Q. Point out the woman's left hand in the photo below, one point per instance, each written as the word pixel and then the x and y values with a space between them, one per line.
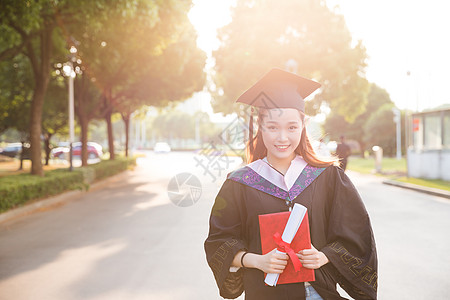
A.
pixel 312 258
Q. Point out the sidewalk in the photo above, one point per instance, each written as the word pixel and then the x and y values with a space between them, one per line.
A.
pixel 418 188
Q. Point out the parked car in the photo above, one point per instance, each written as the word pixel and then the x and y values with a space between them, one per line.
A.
pixel 161 147
pixel 14 149
pixel 94 150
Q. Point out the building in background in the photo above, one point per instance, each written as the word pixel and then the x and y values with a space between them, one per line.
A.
pixel 429 149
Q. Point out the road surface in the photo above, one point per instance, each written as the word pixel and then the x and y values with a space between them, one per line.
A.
pixel 129 241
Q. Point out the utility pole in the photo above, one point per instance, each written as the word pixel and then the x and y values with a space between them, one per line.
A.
pixel 398 121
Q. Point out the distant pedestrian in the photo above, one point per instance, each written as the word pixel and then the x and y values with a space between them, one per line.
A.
pixel 343 152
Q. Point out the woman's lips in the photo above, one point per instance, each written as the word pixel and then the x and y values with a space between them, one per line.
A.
pixel 281 147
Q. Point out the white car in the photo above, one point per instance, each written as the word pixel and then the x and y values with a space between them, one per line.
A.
pixel 161 147
pixel 94 150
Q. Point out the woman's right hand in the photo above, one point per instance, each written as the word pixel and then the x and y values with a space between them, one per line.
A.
pixel 272 262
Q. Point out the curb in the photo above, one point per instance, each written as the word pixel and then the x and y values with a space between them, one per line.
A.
pixel 418 188
pixel 60 199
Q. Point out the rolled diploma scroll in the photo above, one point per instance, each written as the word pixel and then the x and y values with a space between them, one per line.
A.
pixel 292 225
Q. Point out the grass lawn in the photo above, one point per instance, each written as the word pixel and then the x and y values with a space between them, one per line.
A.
pixel 437 184
pixel 395 170
pixel 367 165
pixel 11 167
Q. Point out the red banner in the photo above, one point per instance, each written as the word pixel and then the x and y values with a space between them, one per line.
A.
pixel 416 125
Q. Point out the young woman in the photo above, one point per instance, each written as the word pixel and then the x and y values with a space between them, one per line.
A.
pixel 283 169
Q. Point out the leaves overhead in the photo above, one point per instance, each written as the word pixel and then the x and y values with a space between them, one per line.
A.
pixel 129 50
pixel 266 34
pixel 121 46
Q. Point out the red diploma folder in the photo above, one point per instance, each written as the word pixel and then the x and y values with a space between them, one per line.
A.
pixel 270 224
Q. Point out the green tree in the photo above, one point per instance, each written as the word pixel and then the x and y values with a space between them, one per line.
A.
pixel 29 28
pixel 145 57
pixel 174 124
pixel 174 76
pixel 34 29
pixel 380 129
pixel 267 34
pixel 177 124
pixel 15 98
pixel 88 103
pixel 209 132
pixel 15 94
pixel 55 113
pixel 336 125
pixel 122 42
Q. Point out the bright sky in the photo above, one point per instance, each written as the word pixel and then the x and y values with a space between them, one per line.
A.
pixel 399 35
pixel 207 16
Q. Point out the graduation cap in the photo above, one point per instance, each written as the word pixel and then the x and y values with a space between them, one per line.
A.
pixel 277 89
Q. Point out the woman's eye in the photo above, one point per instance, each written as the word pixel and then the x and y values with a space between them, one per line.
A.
pixel 271 127
pixel 293 128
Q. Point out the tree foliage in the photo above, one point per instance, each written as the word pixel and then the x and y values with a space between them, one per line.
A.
pixel 147 56
pixel 29 28
pixel 55 113
pixel 122 45
pixel 181 125
pixel 375 126
pixel 267 34
pixel 16 91
pixel 380 129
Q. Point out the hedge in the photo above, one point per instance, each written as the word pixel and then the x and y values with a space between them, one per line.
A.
pixel 16 190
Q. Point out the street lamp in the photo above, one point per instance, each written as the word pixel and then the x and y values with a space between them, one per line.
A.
pixel 407 133
pixel 70 72
pixel 397 120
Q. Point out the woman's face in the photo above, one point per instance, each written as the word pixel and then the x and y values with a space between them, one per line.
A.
pixel 281 132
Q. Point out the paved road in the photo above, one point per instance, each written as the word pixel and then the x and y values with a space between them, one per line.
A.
pixel 129 241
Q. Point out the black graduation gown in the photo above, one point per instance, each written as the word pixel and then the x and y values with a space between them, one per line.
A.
pixel 339 225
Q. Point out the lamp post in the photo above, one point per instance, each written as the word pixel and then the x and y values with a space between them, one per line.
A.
pixel 407 133
pixel 70 72
pixel 398 120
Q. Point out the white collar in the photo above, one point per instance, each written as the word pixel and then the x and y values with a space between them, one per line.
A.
pixel 262 167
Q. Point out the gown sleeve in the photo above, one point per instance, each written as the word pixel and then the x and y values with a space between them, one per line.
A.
pixel 351 245
pixel 225 239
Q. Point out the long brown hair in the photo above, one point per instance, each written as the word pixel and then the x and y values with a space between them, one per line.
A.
pixel 303 149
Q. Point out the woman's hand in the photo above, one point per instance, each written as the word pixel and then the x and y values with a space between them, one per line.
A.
pixel 312 258
pixel 272 262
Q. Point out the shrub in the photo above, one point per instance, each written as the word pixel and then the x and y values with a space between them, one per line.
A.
pixel 109 168
pixel 16 190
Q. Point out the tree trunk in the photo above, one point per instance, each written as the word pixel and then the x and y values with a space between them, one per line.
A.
pixel 21 155
pixel 108 114
pixel 41 71
pixel 35 127
pixel 83 114
pixel 84 124
pixel 47 147
pixel 110 134
pixel 126 120
pixel 362 146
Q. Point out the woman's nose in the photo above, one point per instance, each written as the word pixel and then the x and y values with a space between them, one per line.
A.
pixel 282 136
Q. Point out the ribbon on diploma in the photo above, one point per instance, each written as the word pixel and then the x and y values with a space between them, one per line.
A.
pixel 286 248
